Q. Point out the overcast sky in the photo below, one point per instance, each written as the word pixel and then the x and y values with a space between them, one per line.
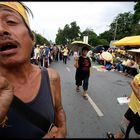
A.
pixel 50 16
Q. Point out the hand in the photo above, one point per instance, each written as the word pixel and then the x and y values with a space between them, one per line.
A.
pixel 6 96
pixel 55 133
pixel 76 58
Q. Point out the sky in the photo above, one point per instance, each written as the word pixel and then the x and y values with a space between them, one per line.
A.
pixel 50 16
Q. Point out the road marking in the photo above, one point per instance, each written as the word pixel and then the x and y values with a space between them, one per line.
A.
pixel 96 108
pixel 68 69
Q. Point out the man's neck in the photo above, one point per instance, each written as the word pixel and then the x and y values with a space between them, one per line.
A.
pixel 20 73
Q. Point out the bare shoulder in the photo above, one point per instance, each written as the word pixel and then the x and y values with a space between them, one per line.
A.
pixel 53 74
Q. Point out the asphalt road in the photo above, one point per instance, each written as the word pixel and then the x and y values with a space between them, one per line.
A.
pixel 92 118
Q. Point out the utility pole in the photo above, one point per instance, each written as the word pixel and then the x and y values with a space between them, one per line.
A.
pixel 115 30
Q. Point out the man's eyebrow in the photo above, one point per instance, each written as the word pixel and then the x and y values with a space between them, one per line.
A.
pixel 7 10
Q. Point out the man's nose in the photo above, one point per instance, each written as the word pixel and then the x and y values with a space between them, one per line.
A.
pixel 3 29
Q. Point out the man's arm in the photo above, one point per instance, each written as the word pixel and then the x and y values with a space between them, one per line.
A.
pixel 60 130
pixel 135 89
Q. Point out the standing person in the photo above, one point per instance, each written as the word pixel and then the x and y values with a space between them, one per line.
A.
pixel 132 115
pixel 38 88
pixel 36 55
pixel 65 54
pixel 60 53
pixel 55 49
pixel 41 55
pixel 46 56
pixel 83 71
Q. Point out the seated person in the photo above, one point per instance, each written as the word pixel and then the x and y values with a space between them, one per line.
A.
pixel 134 68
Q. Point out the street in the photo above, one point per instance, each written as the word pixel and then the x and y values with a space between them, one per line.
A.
pixel 92 118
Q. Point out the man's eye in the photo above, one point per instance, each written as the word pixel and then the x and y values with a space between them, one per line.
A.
pixel 11 22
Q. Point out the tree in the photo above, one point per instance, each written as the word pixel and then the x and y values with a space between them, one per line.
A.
pixel 93 39
pixel 106 35
pixel 103 42
pixel 40 39
pixel 74 31
pixel 60 37
pixel 68 34
pixel 123 24
pixel 136 19
pixel 136 15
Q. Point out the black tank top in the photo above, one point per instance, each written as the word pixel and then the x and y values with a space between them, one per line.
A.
pixel 18 127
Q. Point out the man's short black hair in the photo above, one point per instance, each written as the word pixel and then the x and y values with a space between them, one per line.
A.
pixel 85 48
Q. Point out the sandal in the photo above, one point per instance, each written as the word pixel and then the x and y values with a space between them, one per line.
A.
pixel 77 89
pixel 85 97
pixel 110 135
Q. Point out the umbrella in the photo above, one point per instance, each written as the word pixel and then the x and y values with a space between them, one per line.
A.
pixel 100 48
pixel 106 56
pixel 128 41
pixel 78 45
pixel 134 51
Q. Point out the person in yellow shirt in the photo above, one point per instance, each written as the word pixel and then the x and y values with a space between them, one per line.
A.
pixel 65 55
pixel 132 116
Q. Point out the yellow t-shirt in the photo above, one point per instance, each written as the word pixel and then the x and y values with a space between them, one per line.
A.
pixel 134 103
pixel 124 62
pixel 65 53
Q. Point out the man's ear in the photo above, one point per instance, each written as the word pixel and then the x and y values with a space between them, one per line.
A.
pixel 33 38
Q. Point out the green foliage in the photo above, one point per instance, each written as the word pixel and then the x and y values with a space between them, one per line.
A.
pixel 103 42
pixel 136 19
pixel 107 35
pixel 60 38
pixel 68 34
pixel 40 39
pixel 136 16
pixel 92 37
pixel 123 24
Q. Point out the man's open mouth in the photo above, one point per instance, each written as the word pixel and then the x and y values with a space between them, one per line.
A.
pixel 6 47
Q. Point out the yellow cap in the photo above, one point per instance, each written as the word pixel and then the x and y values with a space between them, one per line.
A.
pixel 19 8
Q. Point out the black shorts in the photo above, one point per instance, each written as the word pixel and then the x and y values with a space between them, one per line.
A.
pixel 134 118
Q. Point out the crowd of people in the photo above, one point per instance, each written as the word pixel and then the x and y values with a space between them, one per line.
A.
pixel 122 61
pixel 43 55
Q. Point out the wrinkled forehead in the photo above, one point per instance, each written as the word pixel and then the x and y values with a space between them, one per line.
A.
pixel 8 10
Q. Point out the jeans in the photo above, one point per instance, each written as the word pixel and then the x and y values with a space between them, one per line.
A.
pixel 119 67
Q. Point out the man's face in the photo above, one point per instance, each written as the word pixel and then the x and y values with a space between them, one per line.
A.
pixel 84 53
pixel 15 41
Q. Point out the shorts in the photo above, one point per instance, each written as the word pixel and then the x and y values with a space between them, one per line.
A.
pixel 134 118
